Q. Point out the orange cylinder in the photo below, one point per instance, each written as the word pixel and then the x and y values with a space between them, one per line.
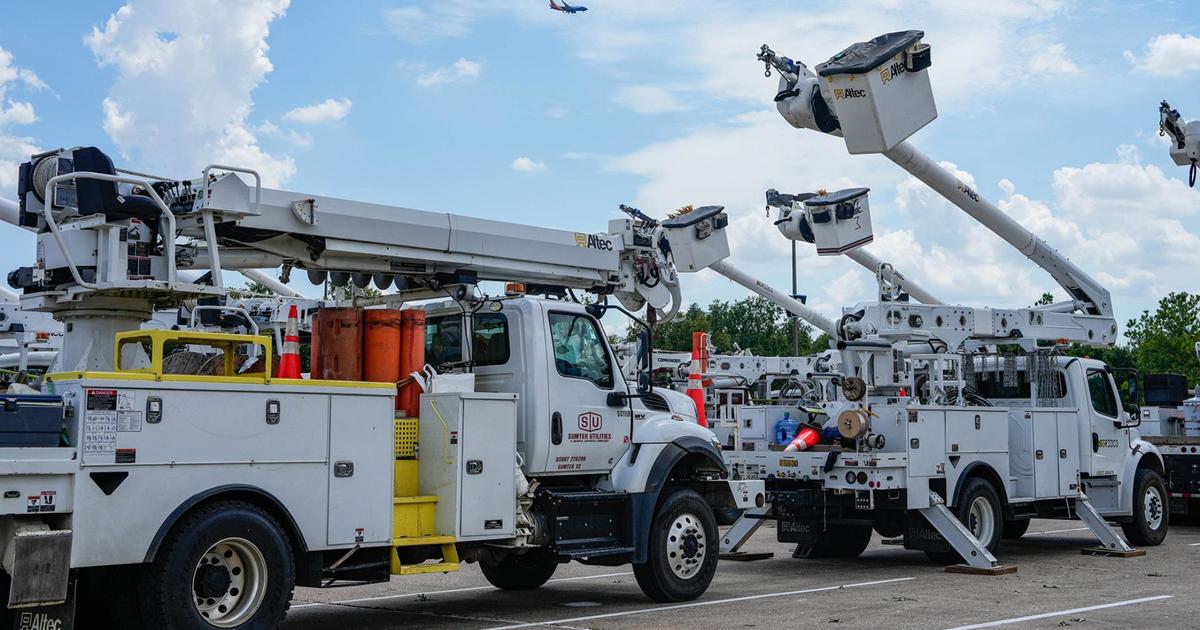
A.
pixel 340 344
pixel 412 359
pixel 314 345
pixel 381 345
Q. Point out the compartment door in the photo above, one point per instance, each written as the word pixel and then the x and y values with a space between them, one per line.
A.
pixel 488 464
pixel 1068 453
pixel 360 502
pixel 1045 454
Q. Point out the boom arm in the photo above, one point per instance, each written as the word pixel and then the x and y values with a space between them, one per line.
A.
pixel 804 108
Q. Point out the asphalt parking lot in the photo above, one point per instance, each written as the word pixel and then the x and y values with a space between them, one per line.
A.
pixel 887 587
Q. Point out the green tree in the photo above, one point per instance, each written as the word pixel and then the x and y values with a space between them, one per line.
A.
pixel 752 323
pixel 1165 340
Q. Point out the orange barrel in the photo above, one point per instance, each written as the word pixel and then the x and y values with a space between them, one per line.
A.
pixel 381 345
pixel 340 344
pixel 314 345
pixel 412 359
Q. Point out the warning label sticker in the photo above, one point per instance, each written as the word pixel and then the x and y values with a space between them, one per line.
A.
pixel 99 431
pixel 129 421
pixel 43 502
pixel 101 399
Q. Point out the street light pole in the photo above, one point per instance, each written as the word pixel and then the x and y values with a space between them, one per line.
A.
pixel 795 324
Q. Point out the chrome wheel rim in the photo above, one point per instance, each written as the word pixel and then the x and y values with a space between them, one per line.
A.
pixel 1152 504
pixel 229 582
pixel 981 520
pixel 686 546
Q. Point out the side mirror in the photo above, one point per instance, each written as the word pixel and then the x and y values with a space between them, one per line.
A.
pixel 644 385
pixel 595 310
pixel 617 399
pixel 1131 389
pixel 1135 417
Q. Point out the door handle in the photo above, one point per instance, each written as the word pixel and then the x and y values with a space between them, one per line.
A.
pixel 556 428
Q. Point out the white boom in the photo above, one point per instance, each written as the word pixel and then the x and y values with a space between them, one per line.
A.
pixel 789 304
pixel 861 256
pixel 875 95
pixel 804 101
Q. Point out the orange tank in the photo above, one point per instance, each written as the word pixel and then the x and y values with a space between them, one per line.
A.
pixel 412 359
pixel 339 342
pixel 381 345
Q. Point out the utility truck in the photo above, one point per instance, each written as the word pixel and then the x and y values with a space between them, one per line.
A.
pixel 184 500
pixel 957 424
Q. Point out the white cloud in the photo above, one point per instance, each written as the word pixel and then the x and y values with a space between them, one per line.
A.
pixel 526 164
pixel 453 73
pixel 415 24
pixel 649 99
pixel 175 125
pixel 291 136
pixel 14 149
pixel 1052 60
pixel 328 110
pixel 1168 55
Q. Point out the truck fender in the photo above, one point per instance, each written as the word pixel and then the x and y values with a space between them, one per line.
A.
pixel 244 492
pixel 1141 450
pixel 981 469
pixel 643 473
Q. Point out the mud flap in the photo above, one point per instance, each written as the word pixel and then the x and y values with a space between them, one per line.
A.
pixel 46 617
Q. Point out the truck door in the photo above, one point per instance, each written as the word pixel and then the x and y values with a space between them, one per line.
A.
pixel 1106 441
pixel 586 435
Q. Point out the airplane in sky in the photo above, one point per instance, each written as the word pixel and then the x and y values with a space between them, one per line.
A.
pixel 566 8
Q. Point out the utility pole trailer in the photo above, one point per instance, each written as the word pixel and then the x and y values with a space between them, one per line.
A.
pixel 144 493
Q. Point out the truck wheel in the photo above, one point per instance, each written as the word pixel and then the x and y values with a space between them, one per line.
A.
pixel 979 510
pixel 1151 512
pixel 228 564
pixel 844 541
pixel 521 572
pixel 1016 528
pixel 682 557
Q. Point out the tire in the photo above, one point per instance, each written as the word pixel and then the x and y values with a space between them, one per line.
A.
pixel 1151 510
pixel 522 572
pixel 843 541
pixel 194 581
pixel 979 509
pixel 1015 529
pixel 683 548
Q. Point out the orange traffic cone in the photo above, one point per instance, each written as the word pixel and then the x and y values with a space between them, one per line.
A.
pixel 289 357
pixel 806 437
pixel 695 389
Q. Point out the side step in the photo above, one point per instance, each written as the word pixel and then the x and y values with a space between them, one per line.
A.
pixel 449 560
pixel 588 523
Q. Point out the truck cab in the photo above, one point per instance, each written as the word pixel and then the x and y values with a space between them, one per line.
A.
pixel 605 462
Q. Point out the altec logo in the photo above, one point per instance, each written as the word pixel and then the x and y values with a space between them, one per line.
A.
pixel 39 621
pixel 887 73
pixel 849 93
pixel 590 421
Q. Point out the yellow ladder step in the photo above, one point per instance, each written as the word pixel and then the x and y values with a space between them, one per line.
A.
pixel 449 557
pixel 413 541
pixel 416 499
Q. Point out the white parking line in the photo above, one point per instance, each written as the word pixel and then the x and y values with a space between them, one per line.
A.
pixel 1057 531
pixel 1194 544
pixel 465 589
pixel 640 611
pixel 1004 622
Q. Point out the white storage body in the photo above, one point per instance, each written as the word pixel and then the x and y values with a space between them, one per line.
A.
pixel 880 96
pixel 840 221
pixel 468 445
pixel 169 441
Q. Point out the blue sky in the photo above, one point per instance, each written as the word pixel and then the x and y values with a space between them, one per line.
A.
pixel 509 110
